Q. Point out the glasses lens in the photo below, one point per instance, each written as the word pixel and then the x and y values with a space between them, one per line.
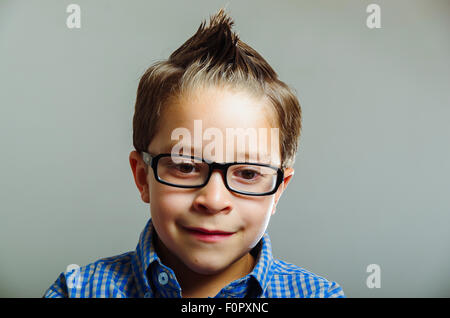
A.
pixel 252 178
pixel 180 170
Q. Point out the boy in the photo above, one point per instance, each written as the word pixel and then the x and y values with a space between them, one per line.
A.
pixel 209 211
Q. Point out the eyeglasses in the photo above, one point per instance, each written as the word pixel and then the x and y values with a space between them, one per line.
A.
pixel 183 171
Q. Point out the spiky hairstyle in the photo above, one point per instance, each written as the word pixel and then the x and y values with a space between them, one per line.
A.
pixel 215 56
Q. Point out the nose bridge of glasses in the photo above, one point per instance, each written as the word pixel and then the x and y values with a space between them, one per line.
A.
pixel 221 168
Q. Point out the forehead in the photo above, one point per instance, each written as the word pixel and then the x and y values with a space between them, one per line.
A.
pixel 221 108
pixel 209 112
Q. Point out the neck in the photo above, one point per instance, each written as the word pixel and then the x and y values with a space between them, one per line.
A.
pixel 194 284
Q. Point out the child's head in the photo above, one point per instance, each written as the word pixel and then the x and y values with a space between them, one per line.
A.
pixel 217 79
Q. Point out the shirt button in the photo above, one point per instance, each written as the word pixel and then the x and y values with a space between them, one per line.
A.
pixel 163 278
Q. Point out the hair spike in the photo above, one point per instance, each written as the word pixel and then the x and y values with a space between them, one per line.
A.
pixel 215 42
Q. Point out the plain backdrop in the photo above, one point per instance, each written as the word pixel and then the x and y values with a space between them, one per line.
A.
pixel 373 168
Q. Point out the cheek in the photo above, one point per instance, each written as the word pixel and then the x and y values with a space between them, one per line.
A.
pixel 255 214
pixel 166 203
pixel 257 209
pixel 167 206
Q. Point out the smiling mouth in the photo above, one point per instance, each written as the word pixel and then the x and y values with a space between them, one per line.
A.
pixel 207 232
pixel 208 236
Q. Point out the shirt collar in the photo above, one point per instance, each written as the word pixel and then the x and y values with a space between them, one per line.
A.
pixel 262 272
pixel 146 256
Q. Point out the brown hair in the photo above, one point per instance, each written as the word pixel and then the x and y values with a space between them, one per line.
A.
pixel 215 56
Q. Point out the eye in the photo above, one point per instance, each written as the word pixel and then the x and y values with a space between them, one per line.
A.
pixel 247 174
pixel 184 167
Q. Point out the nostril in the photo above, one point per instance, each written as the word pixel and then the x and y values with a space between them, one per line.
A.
pixel 201 205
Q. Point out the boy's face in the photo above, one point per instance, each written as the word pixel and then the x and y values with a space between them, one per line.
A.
pixel 212 207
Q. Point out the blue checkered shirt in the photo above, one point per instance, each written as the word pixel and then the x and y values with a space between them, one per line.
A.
pixel 140 273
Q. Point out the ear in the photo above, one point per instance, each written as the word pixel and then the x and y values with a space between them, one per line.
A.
pixel 140 171
pixel 288 174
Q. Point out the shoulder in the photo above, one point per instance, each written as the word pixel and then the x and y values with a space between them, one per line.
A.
pixel 106 277
pixel 292 281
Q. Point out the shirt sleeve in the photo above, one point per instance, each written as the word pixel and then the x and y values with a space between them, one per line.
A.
pixel 58 289
pixel 334 291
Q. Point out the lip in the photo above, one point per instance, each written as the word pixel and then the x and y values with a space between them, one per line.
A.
pixel 207 235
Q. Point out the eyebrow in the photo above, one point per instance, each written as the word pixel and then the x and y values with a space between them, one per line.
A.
pixel 259 157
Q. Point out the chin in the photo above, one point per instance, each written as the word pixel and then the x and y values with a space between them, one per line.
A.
pixel 206 267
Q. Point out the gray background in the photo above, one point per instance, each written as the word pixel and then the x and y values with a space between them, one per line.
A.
pixel 372 173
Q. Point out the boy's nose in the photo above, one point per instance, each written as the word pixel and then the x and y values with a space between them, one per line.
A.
pixel 214 197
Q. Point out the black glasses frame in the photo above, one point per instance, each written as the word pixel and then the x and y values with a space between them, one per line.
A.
pixel 152 161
